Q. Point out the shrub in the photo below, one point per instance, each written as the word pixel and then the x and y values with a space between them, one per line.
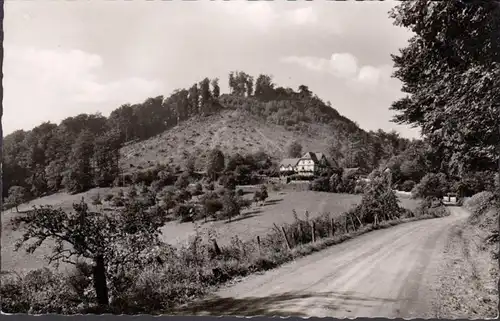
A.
pixel 240 192
pixel 96 200
pixel 197 190
pixel 480 203
pixel 108 197
pixel 407 186
pixel 432 186
pixel 183 196
pixel 184 212
pixel 40 291
pixel 228 181
pixel 474 183
pixel 320 184
pixel 182 181
pixel 230 205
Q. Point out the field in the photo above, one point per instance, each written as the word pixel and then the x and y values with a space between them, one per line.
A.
pixel 257 220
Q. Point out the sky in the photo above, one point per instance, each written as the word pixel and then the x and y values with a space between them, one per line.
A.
pixel 63 58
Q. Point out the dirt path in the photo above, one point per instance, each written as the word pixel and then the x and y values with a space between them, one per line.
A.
pixel 386 273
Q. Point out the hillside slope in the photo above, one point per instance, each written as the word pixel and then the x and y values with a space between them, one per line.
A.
pixel 233 131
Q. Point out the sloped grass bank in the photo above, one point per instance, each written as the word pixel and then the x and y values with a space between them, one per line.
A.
pixel 469 289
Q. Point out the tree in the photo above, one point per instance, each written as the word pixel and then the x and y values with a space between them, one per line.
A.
pixel 294 150
pixel 304 91
pixel 53 174
pixel 230 205
pixel 182 181
pixel 433 186
pixel 194 99
pixel 215 88
pixel 264 88
pixel 169 201
pixel 211 205
pixel 261 194
pixel 79 175
pixel 105 159
pixel 215 163
pixel 17 196
pixel 450 71
pixel 205 94
pixel 190 166
pixel 249 85
pixel 112 242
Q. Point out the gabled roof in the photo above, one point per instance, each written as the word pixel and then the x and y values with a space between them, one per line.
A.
pixel 289 162
pixel 313 155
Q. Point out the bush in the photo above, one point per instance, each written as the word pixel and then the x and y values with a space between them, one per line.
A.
pixel 474 183
pixel 431 207
pixel 407 186
pixel 184 212
pixel 479 203
pixel 42 291
pixel 197 190
pixel 228 181
pixel 432 185
pixel 320 184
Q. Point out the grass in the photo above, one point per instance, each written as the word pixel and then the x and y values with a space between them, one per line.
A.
pixel 258 220
pixel 192 271
pixel 230 130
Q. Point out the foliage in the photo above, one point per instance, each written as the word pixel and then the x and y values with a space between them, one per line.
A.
pixel 473 183
pixel 17 196
pixel 433 186
pixel 294 150
pixel 230 205
pixel 215 163
pixel 407 186
pixel 111 242
pixel 182 181
pixel 451 79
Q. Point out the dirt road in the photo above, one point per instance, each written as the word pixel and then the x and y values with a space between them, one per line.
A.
pixel 385 273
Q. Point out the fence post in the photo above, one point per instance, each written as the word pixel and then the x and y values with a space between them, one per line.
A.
pixel 286 238
pixel 345 224
pixel 301 234
pixel 333 226
pixel 258 243
pixel 216 247
pixel 313 232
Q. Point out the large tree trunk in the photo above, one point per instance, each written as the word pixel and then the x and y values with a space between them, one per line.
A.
pixel 100 283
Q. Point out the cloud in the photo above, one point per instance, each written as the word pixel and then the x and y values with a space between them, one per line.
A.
pixel 301 16
pixel 265 15
pixel 53 84
pixel 344 66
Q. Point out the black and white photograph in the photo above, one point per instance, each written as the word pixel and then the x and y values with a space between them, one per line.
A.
pixel 335 159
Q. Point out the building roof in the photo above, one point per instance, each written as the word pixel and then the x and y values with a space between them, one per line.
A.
pixel 313 155
pixel 289 162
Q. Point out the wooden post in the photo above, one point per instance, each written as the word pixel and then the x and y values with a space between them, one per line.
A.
pixel 286 238
pixel 216 247
pixel 258 243
pixel 345 224
pixel 333 226
pixel 313 231
pixel 352 223
pixel 301 233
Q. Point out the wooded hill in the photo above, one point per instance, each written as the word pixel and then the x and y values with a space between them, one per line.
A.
pixel 91 150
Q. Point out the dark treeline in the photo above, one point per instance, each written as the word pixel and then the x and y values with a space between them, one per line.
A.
pixel 83 151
